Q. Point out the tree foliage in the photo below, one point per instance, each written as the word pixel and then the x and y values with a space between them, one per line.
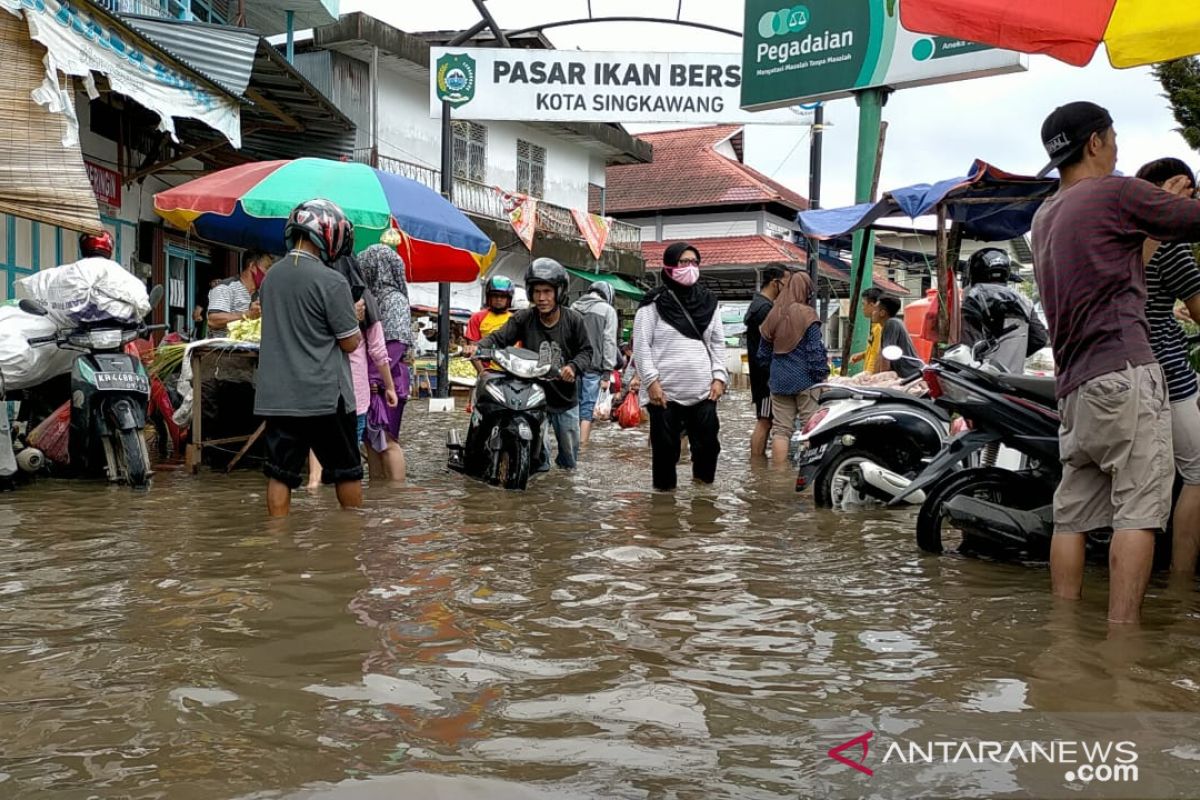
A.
pixel 1181 80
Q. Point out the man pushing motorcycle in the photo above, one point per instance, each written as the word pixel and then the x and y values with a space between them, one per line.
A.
pixel 559 334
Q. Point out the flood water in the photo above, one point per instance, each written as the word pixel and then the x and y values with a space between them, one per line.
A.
pixel 587 638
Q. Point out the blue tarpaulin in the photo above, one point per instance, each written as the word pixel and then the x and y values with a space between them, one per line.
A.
pixel 1016 198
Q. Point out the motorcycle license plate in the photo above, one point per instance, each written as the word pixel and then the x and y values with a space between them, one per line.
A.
pixel 811 456
pixel 122 382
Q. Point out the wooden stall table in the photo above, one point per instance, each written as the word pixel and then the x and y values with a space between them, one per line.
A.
pixel 206 353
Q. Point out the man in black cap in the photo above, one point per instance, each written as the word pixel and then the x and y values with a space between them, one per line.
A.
pixel 1115 438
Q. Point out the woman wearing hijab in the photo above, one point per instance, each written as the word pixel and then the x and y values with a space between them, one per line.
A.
pixel 679 349
pixel 793 350
pixel 384 273
pixel 371 349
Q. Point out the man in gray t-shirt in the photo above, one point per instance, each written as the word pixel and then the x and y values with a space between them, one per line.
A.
pixel 304 387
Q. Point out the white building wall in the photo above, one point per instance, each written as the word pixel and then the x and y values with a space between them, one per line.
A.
pixel 407 132
pixel 714 225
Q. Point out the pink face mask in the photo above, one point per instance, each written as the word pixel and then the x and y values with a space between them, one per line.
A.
pixel 684 276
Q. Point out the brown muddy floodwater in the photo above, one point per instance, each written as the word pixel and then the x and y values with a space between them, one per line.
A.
pixel 586 638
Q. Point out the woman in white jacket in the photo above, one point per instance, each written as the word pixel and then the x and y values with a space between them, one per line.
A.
pixel 679 350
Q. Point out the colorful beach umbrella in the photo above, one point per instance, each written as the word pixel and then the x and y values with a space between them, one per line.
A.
pixel 1136 32
pixel 248 206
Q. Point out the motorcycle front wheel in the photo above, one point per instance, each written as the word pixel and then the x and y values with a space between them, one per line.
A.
pixel 128 459
pixel 993 484
pixel 512 468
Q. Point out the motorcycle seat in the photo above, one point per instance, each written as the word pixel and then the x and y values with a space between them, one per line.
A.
pixel 921 402
pixel 1033 387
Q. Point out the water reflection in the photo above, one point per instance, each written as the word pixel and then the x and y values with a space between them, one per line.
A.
pixel 586 638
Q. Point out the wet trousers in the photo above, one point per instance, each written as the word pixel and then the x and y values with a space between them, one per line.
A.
pixel 703 429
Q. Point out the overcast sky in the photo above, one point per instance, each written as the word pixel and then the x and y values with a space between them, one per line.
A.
pixel 934 132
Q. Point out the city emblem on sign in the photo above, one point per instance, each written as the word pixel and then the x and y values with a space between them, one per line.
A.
pixel 456 79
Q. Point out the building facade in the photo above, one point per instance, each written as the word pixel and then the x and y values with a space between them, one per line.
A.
pixel 379 76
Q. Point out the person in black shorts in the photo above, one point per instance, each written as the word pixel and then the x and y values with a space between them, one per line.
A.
pixel 304 389
pixel 774 278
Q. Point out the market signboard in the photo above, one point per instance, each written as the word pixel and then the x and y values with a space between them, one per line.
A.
pixel 825 49
pixel 576 86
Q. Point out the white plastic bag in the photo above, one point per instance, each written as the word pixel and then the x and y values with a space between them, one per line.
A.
pixel 21 365
pixel 88 290
pixel 603 405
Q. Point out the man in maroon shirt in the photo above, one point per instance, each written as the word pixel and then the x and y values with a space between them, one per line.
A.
pixel 1115 439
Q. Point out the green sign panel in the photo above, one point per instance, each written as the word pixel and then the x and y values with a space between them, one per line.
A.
pixel 822 49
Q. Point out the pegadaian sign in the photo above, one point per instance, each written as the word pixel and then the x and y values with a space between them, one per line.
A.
pixel 577 86
pixel 825 49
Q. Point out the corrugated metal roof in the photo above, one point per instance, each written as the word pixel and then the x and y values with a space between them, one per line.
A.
pixel 221 53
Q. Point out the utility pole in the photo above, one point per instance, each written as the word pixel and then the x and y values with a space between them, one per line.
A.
pixel 486 20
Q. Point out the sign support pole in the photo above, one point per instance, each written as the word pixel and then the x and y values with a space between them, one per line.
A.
pixel 870 121
pixel 814 187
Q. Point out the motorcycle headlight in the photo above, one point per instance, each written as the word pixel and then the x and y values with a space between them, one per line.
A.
pixel 107 339
pixel 537 396
pixel 521 367
pixel 495 391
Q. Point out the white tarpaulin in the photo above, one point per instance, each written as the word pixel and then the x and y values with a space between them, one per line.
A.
pixel 79 43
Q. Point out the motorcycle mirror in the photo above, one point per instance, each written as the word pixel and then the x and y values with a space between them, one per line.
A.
pixel 33 307
pixel 156 296
pixel 893 353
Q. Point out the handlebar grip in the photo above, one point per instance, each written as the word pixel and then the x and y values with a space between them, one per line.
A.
pixel 157 328
pixel 42 339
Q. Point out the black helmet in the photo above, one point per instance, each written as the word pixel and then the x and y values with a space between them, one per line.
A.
pixel 324 224
pixel 548 271
pixel 604 289
pixel 989 265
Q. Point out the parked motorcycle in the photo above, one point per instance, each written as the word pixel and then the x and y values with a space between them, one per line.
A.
pixel 505 438
pixel 866 444
pixel 109 393
pixel 998 511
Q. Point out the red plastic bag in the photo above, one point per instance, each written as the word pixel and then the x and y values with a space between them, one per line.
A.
pixel 52 435
pixel 630 415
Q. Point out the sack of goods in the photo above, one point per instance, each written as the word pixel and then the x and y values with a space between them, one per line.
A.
pixel 88 290
pixel 21 365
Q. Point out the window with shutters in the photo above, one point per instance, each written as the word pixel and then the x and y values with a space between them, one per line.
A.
pixel 531 169
pixel 470 151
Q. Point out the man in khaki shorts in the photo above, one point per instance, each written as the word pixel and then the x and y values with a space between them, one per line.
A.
pixel 1115 440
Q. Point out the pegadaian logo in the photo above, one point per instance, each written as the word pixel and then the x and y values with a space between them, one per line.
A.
pixel 784 21
pixel 456 79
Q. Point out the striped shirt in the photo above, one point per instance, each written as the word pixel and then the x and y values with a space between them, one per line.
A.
pixel 1087 243
pixel 683 366
pixel 228 297
pixel 1172 275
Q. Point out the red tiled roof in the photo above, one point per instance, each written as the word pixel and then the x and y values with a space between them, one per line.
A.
pixel 688 172
pixel 749 251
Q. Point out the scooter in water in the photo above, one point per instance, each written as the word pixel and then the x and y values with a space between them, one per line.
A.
pixel 865 444
pixel 998 511
pixel 504 443
pixel 109 394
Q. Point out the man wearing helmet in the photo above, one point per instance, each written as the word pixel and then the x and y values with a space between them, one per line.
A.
pixel 552 329
pixel 305 390
pixel 498 295
pixel 600 318
pixel 993 311
pixel 96 245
